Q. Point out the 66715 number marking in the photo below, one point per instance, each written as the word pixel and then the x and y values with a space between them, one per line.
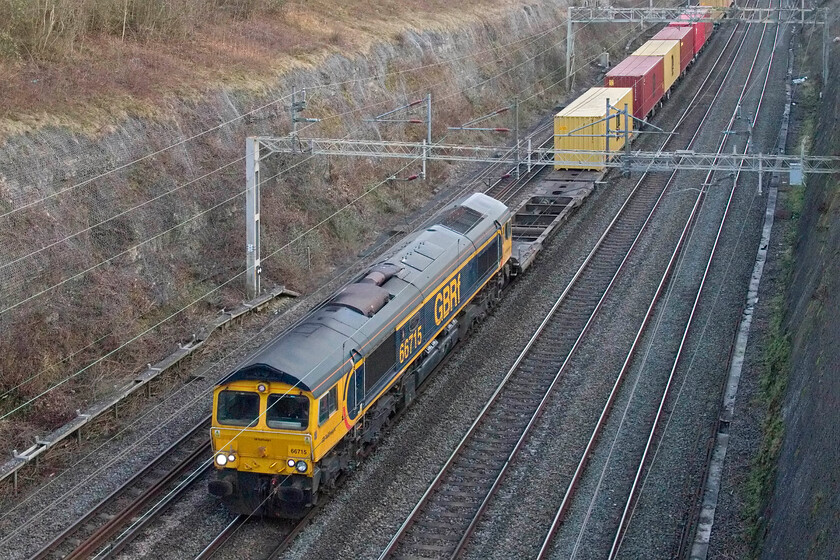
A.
pixel 411 343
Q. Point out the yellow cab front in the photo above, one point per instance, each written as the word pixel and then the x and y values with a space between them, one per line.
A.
pixel 262 448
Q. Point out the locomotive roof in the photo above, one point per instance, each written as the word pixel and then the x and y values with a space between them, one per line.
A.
pixel 316 351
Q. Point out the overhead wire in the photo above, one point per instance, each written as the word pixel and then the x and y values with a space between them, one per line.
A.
pixel 406 166
pixel 646 356
pixel 121 214
pixel 282 248
pixel 261 108
pixel 715 301
pixel 147 435
pixel 184 222
pixel 48 289
pixel 528 38
pixel 275 252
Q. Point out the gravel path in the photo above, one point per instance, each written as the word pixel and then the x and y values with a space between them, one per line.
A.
pixel 729 538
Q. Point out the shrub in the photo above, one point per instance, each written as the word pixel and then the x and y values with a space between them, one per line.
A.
pixel 53 28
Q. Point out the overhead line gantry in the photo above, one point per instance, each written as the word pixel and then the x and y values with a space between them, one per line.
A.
pixel 616 14
pixel 258 148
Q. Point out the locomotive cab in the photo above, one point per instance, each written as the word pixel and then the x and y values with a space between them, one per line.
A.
pixel 262 446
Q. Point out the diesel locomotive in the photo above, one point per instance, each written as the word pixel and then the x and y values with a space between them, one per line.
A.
pixel 307 406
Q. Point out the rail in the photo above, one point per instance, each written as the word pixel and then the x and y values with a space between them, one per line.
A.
pixel 44 443
pixel 84 537
pixel 574 482
pixel 441 544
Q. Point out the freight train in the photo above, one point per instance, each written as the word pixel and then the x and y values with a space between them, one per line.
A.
pixel 309 405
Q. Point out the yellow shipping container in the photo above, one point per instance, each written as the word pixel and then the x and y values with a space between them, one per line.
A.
pixel 716 14
pixel 572 133
pixel 670 51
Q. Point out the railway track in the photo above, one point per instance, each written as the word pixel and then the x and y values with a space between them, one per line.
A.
pixel 651 435
pixel 290 532
pixel 444 519
pixel 223 537
pixel 116 520
pixel 133 516
pixel 110 525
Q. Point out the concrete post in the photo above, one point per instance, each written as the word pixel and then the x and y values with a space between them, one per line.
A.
pixel 425 157
pixel 427 143
pixel 252 218
pixel 760 174
pixel 529 154
pixel 429 119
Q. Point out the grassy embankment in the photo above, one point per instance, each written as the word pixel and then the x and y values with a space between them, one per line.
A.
pixel 776 366
pixel 82 63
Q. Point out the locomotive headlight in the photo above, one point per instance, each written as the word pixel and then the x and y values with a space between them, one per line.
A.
pixel 301 466
pixel 291 463
pixel 221 459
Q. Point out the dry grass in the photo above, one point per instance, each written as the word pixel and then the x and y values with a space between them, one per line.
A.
pixel 93 76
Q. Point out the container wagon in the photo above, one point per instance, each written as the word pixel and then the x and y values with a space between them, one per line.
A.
pixel 716 13
pixel 702 29
pixel 685 35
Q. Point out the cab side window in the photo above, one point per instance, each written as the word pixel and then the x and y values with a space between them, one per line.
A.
pixel 327 405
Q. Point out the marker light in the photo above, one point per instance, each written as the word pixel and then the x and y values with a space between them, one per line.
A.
pixel 291 463
pixel 231 458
